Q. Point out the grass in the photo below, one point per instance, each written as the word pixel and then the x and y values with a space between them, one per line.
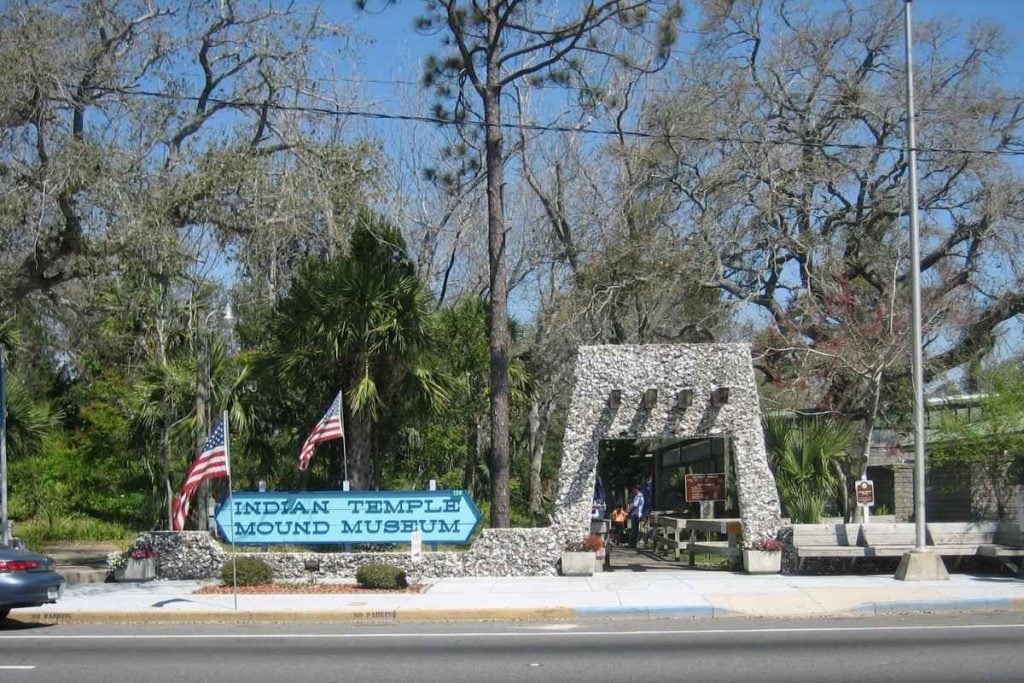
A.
pixel 38 532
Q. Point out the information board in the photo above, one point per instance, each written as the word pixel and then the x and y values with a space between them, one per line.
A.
pixel 705 487
pixel 865 492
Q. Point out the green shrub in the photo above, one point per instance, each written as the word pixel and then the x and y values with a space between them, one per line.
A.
pixel 251 571
pixel 381 576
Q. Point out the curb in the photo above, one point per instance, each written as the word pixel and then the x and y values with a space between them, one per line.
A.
pixel 419 615
pixel 391 616
pixel 952 605
pixel 652 612
pixel 367 617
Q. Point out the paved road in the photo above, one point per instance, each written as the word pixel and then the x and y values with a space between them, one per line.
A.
pixel 963 648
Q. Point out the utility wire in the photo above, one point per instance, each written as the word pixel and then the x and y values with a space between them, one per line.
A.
pixel 653 89
pixel 606 132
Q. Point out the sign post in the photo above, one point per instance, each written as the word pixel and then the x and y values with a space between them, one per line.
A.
pixel 416 546
pixel 865 490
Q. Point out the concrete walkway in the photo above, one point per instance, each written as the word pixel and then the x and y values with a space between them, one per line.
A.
pixel 678 594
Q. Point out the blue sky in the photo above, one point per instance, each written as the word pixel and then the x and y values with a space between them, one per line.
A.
pixel 395 51
pixel 387 56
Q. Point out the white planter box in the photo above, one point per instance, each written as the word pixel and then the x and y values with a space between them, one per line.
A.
pixel 142 569
pixel 578 563
pixel 762 561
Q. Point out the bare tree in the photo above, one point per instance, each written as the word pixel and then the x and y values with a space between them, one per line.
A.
pixel 785 149
pixel 492 48
pixel 142 140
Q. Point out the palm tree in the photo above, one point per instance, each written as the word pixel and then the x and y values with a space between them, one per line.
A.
pixel 165 412
pixel 365 323
pixel 30 421
pixel 805 454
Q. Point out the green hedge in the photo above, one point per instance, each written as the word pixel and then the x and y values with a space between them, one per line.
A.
pixel 381 576
pixel 251 571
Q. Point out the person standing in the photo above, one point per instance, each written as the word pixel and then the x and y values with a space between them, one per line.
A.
pixel 619 518
pixel 636 511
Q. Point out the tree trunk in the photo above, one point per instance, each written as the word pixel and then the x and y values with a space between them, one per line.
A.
pixel 359 444
pixel 473 455
pixel 165 452
pixel 498 335
pixel 165 428
pixel 200 511
pixel 538 429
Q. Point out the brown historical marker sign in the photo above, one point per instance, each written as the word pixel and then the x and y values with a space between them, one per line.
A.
pixel 865 492
pixel 705 487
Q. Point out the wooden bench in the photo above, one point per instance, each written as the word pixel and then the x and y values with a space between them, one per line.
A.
pixel 1000 540
pixel 960 538
pixel 888 540
pixel 826 540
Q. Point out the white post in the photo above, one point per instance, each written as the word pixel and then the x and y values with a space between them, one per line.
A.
pixel 344 438
pixel 915 284
pixel 231 513
pixel 865 510
pixel 5 523
pixel 919 564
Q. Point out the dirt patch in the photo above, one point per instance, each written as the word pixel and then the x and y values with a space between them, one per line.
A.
pixel 306 588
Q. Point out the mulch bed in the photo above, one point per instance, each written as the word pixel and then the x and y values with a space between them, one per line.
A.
pixel 306 588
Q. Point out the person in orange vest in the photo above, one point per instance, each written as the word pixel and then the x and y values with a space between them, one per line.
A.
pixel 618 524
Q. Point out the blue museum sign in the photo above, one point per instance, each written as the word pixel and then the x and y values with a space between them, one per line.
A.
pixel 347 517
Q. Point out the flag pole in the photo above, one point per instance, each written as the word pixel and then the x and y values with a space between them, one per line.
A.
pixel 5 522
pixel 344 440
pixel 231 513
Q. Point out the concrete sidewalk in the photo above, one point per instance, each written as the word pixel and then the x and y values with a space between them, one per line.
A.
pixel 679 594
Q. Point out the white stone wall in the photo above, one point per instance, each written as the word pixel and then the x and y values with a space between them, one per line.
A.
pixel 495 552
pixel 669 369
pixel 599 369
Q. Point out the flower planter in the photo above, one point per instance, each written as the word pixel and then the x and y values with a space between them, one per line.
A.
pixel 578 563
pixel 142 569
pixel 762 561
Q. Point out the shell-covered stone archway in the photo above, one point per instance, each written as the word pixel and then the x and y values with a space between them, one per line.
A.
pixel 669 369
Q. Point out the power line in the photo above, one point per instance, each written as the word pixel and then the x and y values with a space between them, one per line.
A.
pixel 606 132
pixel 668 91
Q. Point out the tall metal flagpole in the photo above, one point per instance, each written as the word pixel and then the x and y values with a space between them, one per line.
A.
pixel 5 532
pixel 919 564
pixel 344 440
pixel 231 512
pixel 915 284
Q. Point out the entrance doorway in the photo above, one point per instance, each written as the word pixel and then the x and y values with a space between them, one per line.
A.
pixel 663 464
pixel 659 467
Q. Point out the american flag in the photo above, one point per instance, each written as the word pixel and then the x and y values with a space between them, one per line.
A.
pixel 212 462
pixel 179 508
pixel 330 427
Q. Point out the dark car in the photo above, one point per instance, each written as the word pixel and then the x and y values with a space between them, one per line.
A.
pixel 27 580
